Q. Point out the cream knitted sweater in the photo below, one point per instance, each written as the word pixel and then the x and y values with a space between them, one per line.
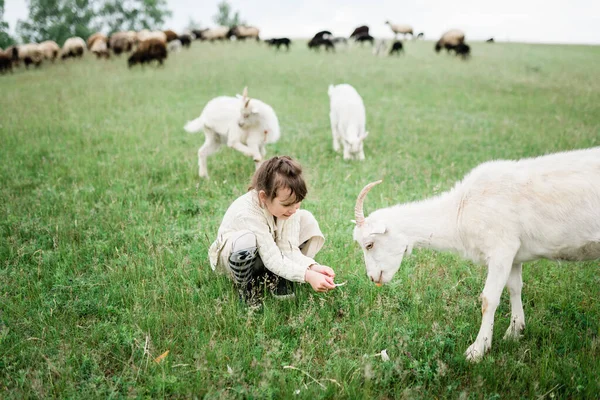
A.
pixel 277 241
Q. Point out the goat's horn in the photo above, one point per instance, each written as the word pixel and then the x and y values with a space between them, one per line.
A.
pixel 359 215
pixel 245 92
pixel 247 102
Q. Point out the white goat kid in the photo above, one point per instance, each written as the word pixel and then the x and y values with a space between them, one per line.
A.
pixel 244 124
pixel 347 114
pixel 502 214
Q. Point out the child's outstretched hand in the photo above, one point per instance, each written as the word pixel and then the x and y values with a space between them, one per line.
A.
pixel 323 269
pixel 320 277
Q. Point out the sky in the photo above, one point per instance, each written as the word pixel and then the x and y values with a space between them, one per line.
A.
pixel 539 21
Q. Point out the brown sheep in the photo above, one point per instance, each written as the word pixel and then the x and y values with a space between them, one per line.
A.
pixel 170 35
pixel 148 50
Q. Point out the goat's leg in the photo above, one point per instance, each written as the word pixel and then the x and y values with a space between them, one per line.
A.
pixel 517 318
pixel 246 150
pixel 211 144
pixel 334 133
pixel 255 143
pixel 498 272
pixel 263 150
pixel 347 154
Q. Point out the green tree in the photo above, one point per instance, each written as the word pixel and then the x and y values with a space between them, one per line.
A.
pixel 124 15
pixel 58 20
pixel 224 17
pixel 5 38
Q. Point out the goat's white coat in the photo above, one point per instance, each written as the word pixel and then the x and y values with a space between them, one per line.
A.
pixel 241 124
pixel 502 214
pixel 348 117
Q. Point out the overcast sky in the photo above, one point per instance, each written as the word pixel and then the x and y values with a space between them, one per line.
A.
pixel 547 21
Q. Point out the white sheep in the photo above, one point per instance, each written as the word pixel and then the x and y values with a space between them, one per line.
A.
pixel 73 47
pixel 502 214
pixel 347 115
pixel 99 47
pixel 450 40
pixel 242 123
pixel 30 54
pixel 218 33
pixel 146 34
pixel 49 49
pixel 174 46
pixel 400 28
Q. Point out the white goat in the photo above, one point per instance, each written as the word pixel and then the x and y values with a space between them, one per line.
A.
pixel 502 214
pixel 240 122
pixel 347 114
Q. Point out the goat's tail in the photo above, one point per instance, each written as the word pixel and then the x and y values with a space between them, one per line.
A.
pixel 330 90
pixel 195 125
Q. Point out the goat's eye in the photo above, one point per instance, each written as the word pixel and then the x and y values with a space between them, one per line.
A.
pixel 369 246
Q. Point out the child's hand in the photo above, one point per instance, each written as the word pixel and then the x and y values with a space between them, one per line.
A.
pixel 323 269
pixel 319 281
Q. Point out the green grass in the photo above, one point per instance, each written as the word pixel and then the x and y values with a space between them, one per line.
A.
pixel 104 228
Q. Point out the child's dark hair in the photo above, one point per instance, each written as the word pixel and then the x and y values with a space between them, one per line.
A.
pixel 280 173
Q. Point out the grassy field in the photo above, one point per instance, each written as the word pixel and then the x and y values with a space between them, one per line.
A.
pixel 105 225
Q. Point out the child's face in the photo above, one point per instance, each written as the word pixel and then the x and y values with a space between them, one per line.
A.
pixel 282 206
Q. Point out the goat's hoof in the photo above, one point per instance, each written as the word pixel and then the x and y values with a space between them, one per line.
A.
pixel 475 353
pixel 514 331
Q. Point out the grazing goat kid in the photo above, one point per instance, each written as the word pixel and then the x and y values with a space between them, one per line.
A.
pixel 242 123
pixel 347 121
pixel 502 214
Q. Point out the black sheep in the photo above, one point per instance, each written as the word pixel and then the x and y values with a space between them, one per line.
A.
pixel 278 42
pixel 396 48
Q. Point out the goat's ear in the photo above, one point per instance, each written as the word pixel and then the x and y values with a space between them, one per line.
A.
pixel 238 96
pixel 377 228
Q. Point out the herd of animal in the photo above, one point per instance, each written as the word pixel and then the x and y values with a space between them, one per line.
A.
pixel 147 46
pixel 502 214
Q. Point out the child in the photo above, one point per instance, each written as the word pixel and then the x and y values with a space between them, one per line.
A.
pixel 264 236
